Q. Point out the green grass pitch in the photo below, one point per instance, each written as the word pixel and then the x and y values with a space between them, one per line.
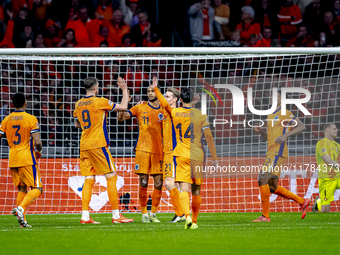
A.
pixel 218 233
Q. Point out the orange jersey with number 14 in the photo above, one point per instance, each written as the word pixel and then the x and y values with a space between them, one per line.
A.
pixel 91 113
pixel 18 127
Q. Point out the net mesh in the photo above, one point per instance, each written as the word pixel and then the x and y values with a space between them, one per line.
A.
pixel 53 84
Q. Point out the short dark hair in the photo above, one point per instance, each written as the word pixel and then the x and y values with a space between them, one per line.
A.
pixel 90 82
pixel 187 95
pixel 327 126
pixel 18 100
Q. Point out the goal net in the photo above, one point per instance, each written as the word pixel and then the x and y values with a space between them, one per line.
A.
pixel 53 83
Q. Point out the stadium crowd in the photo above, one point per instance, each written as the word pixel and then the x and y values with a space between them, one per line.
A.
pixel 125 23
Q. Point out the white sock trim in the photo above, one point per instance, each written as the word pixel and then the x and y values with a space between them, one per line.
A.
pixel 115 214
pixel 85 215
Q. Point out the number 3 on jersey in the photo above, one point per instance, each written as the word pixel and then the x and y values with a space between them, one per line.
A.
pixel 86 118
pixel 17 127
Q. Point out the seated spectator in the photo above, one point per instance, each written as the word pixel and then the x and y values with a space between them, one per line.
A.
pixel 40 11
pixel 153 40
pixel 289 17
pixel 258 41
pixel 38 41
pixel 330 27
pixel 267 34
pixel 222 15
pixel 130 12
pixel 19 26
pixel 202 23
pixel 19 4
pixel 103 37
pixel 141 31
pixel 104 11
pixel 26 37
pixel 69 39
pixel 52 34
pixel 265 14
pixel 313 16
pixel 302 39
pixel 248 25
pixel 117 28
pixel 86 29
pixel 127 41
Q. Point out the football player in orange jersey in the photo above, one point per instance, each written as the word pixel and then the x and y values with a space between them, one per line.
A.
pixel 189 153
pixel 168 102
pixel 278 126
pixel 149 151
pixel 95 158
pixel 22 132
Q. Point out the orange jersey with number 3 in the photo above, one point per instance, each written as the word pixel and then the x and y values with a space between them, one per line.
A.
pixel 278 125
pixel 150 128
pixel 18 127
pixel 91 113
pixel 189 124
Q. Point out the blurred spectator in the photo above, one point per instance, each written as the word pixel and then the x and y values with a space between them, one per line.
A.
pixel 86 29
pixel 40 11
pixel 289 17
pixel 20 23
pixel 127 41
pixel 337 9
pixel 265 14
pixel 267 34
pixel 69 39
pixel 104 11
pixel 302 39
pixel 130 12
pixel 38 41
pixel 18 4
pixel 141 31
pixel 313 16
pixel 248 25
pixel 26 37
pixel 202 23
pixel 331 28
pixel 222 15
pixel 236 37
pixel 323 40
pixel 6 32
pixel 52 34
pixel 117 28
pixel 73 14
pixel 103 38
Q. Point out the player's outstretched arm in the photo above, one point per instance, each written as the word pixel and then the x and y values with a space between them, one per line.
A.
pixel 300 127
pixel 161 98
pixel 210 141
pixel 259 130
pixel 124 104
pixel 37 143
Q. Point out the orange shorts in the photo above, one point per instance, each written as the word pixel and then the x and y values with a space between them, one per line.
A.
pixel 273 164
pixel 148 163
pixel 169 166
pixel 96 161
pixel 189 171
pixel 26 175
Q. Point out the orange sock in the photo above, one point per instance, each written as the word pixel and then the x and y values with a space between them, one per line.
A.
pixel 174 195
pixel 156 199
pixel 112 192
pixel 184 198
pixel 265 194
pixel 281 191
pixel 196 204
pixel 30 198
pixel 20 197
pixel 87 193
pixel 143 199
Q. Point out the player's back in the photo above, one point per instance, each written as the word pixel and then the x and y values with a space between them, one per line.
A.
pixel 18 127
pixel 277 125
pixel 189 124
pixel 91 114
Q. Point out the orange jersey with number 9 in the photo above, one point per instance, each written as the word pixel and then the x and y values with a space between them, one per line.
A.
pixel 18 127
pixel 91 113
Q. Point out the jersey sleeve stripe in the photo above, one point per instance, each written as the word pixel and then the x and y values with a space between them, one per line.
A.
pixel 114 106
pixel 35 130
pixel 205 127
pixel 105 131
pixel 1 132
pixel 130 113
pixel 75 118
pixel 32 152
